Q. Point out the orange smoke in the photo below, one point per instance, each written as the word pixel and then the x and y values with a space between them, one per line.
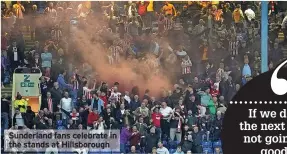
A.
pixel 96 55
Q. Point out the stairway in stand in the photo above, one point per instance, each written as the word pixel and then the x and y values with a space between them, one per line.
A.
pixel 29 43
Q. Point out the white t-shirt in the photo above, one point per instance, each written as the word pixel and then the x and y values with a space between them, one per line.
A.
pixel 162 150
pixel 66 104
pixel 165 112
pixel 250 14
pixel 19 120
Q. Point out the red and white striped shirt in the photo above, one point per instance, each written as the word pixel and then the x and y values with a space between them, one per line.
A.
pixel 115 53
pixel 186 66
pixel 168 24
pixel 56 34
pixel 125 44
pixel 115 96
pixel 75 82
pixel 87 93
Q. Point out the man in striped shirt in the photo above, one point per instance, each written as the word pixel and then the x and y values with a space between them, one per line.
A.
pixel 233 46
pixel 168 23
pixel 87 92
pixel 75 84
pixel 186 67
pixel 75 79
pixel 115 95
pixel 114 54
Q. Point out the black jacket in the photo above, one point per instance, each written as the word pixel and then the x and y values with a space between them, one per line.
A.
pixel 39 124
pixel 57 95
pixel 84 117
pixel 30 115
pixel 5 105
pixel 20 55
pixel 44 104
pixel 186 145
pixel 151 141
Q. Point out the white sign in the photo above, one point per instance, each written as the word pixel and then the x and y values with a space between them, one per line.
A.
pixel 27 84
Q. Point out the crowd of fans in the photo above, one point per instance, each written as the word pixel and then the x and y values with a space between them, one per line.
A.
pixel 213 49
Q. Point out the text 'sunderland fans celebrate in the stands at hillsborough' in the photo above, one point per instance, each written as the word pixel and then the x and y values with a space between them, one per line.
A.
pixel 161 72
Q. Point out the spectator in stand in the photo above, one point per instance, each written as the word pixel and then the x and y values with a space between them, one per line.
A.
pixel 246 71
pixel 196 138
pixel 135 138
pixel 175 125
pixel 156 118
pixel 238 16
pixel 49 103
pixel 15 55
pixel 30 116
pixel 142 11
pixel 135 103
pixel 166 112
pixel 151 140
pixel 161 149
pixel 50 11
pixel 19 10
pixel 124 138
pixel 143 111
pixel 187 143
pixel 56 93
pixel 178 150
pixel 169 10
pixel 19 119
pixel 46 58
pixel 67 105
pixel 61 81
pixel 276 53
pixel 250 14
pixel 41 120
pixel 205 98
pixel 92 117
pixel 5 108
pixel 97 103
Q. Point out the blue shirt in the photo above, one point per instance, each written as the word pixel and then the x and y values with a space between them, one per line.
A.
pixel 46 59
pixel 246 71
pixel 62 82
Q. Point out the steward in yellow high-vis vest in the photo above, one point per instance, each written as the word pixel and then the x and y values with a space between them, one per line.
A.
pixel 21 104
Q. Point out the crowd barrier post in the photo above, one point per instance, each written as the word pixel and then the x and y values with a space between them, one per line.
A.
pixel 264 36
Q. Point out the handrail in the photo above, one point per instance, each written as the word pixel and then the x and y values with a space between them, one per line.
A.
pixel 27 70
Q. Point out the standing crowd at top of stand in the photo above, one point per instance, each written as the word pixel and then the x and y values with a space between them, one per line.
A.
pixel 161 72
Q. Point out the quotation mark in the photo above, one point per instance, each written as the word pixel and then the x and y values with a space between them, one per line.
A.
pixel 278 86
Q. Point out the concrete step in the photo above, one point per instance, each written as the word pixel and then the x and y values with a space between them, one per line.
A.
pixel 7 90
pixel 29 42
